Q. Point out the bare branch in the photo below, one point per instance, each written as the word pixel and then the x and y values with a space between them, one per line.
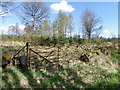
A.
pixel 7 7
pixel 90 22
pixel 33 13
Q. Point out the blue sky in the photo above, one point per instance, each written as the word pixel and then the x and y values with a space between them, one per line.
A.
pixel 108 11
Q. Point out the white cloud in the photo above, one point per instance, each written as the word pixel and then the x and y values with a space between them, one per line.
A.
pixel 22 27
pixel 4 29
pixel 106 31
pixel 63 6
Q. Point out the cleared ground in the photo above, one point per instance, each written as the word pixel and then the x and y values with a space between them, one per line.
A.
pixel 74 66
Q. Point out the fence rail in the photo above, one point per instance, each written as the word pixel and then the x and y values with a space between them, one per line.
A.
pixel 28 55
pixel 18 52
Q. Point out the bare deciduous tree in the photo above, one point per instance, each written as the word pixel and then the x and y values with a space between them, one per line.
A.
pixel 11 29
pixel 7 7
pixel 14 29
pixel 91 23
pixel 33 13
pixel 17 29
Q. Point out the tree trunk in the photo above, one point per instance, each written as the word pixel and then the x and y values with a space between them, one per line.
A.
pixel 89 34
pixel 65 31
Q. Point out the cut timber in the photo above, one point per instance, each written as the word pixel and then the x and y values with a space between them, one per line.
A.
pixel 84 57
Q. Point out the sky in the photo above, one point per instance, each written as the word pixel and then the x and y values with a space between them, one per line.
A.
pixel 108 11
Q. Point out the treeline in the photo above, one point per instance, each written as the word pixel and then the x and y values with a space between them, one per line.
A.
pixel 53 41
pixel 62 26
pixel 35 17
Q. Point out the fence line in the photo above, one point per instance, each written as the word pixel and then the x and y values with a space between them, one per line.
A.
pixel 29 50
pixel 28 55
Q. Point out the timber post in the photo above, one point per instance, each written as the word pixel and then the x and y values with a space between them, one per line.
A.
pixel 27 51
pixel 29 58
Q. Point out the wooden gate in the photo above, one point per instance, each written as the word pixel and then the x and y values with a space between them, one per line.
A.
pixel 26 60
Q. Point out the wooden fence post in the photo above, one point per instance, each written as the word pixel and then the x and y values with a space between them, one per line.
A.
pixel 27 51
pixel 29 58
